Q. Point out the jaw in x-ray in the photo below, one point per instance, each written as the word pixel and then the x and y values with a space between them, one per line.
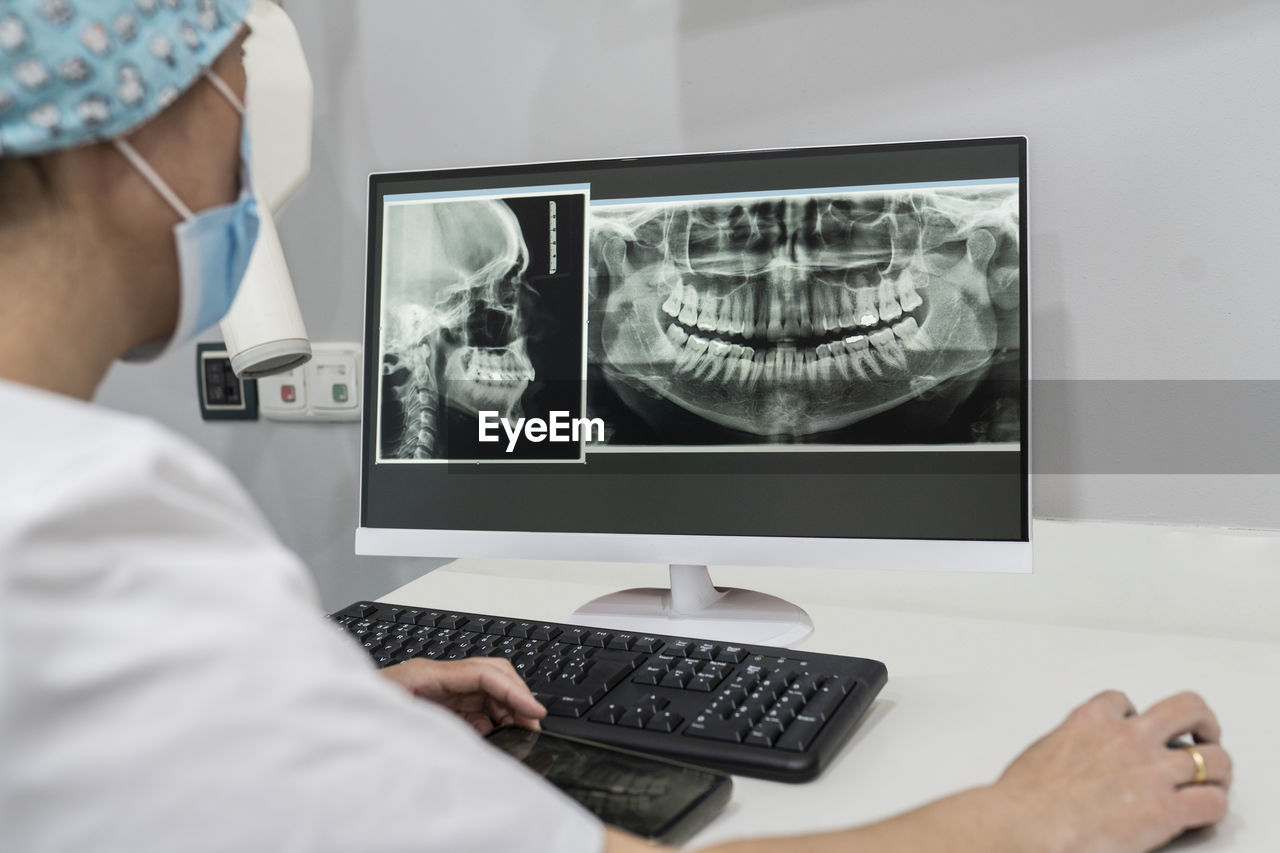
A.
pixel 452 333
pixel 790 316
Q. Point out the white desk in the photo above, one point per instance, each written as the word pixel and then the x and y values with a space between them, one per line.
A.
pixel 964 695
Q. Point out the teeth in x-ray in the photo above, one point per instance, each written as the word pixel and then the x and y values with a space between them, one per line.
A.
pixel 677 336
pixel 708 318
pixel 805 327
pixel 824 363
pixel 907 296
pixel 731 319
pixel 675 300
pixel 828 308
pixel 840 355
pixel 773 328
pixel 859 355
pixel 864 307
pixel 786 362
pixel 689 313
pixel 744 368
pixel 890 310
pixel 846 318
pixel 714 361
pixel 811 365
pixel 693 350
pixel 748 312
pixel 853 303
pixel 889 348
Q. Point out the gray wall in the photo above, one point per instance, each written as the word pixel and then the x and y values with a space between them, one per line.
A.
pixel 1153 128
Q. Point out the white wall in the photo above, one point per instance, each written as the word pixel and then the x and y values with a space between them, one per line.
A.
pixel 1153 136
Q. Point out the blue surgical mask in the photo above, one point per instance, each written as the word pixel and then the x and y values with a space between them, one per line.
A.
pixel 214 245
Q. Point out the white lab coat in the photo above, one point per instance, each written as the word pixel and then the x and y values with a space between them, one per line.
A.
pixel 167 682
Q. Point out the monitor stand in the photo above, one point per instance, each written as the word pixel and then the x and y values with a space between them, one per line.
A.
pixel 692 607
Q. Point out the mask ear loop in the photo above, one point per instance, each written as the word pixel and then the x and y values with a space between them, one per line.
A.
pixel 152 177
pixel 226 90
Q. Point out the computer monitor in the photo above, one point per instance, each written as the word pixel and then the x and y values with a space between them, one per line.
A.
pixel 801 357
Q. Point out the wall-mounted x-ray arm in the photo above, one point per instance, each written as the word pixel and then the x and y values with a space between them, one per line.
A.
pixel 264 332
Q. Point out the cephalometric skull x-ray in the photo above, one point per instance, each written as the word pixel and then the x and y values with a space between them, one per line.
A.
pixel 792 318
pixel 481 297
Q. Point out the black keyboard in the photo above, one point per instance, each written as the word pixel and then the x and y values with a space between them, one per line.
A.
pixel 757 711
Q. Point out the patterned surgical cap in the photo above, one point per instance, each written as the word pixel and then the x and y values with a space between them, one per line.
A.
pixel 77 71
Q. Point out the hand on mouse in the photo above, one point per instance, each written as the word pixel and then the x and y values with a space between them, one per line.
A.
pixel 486 692
pixel 1106 780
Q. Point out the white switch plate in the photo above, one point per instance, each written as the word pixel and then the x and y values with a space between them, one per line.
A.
pixel 326 389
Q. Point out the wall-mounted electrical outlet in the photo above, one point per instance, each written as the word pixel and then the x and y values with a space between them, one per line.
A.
pixel 223 396
pixel 327 388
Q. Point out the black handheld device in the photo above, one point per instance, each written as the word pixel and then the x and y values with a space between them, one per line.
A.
pixel 653 798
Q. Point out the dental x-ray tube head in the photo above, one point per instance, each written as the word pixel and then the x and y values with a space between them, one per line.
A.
pixel 805 357
pixel 264 331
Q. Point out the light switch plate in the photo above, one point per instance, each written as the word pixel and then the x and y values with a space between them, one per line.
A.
pixel 223 396
pixel 326 389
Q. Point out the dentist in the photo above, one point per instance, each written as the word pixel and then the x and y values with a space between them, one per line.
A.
pixel 166 681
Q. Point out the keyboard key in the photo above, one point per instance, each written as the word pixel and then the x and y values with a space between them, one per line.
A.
pixel 703 683
pixel 664 721
pixel 599 639
pixel 624 642
pixel 610 673
pixel 387 612
pixel 806 685
pixel 520 629
pixel 823 704
pixel 770 728
pixel 799 735
pixel 634 719
pixel 678 648
pixel 841 684
pixel 544 632
pixel 477 625
pixel 732 654
pixel 675 678
pixel 409 616
pixel 652 704
pixel 609 714
pixel 648 645
pixel 359 611
pixel 573 636
pixel 756 737
pixel 704 651
pixel 651 674
pixel 715 729
pixel 569 706
pixel 449 621
pixel 429 618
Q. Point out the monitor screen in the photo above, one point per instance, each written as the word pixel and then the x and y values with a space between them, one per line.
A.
pixel 819 343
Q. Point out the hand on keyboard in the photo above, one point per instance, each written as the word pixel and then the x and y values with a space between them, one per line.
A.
pixel 760 711
pixel 483 691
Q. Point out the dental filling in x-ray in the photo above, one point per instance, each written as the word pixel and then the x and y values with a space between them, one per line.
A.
pixel 843 318
pixel 482 315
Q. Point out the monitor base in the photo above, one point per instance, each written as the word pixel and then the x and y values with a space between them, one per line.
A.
pixel 693 607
